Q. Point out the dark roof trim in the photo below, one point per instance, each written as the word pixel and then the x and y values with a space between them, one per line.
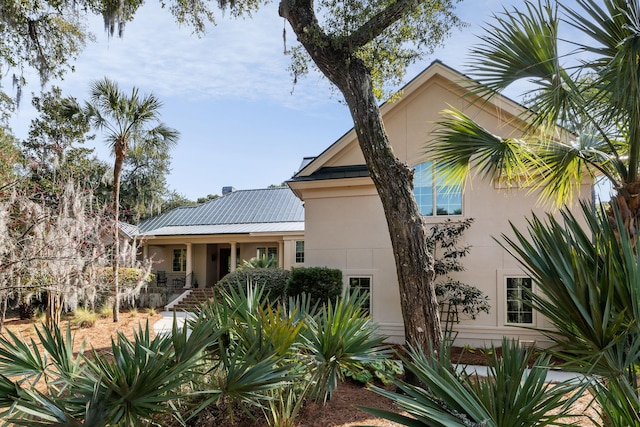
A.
pixel 335 172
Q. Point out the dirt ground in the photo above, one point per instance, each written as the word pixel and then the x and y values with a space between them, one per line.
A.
pixel 340 411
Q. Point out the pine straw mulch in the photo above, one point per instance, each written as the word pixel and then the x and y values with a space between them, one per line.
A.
pixel 340 411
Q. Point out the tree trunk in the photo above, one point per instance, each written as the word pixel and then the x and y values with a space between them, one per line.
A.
pixel 393 180
pixel 628 203
pixel 120 153
pixel 394 183
pixel 4 312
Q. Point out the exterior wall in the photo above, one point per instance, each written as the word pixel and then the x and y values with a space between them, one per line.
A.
pixel 350 233
pixel 345 225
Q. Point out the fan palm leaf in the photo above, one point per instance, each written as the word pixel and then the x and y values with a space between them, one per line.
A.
pixel 583 119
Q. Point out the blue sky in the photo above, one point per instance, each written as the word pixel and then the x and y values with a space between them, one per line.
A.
pixel 242 121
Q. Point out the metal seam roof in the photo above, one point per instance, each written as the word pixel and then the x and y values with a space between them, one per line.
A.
pixel 273 205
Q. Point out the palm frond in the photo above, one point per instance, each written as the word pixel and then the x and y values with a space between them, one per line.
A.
pixel 460 143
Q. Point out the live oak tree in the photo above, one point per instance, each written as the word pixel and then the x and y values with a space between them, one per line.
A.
pixel 55 154
pixel 358 46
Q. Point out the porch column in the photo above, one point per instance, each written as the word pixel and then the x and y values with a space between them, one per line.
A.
pixel 145 252
pixel 281 254
pixel 234 261
pixel 189 272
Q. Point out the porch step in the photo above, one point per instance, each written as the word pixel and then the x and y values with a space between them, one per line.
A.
pixel 190 300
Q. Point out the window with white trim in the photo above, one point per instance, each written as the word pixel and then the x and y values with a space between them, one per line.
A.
pixel 267 252
pixel 362 285
pixel 299 251
pixel 517 289
pixel 179 260
pixel 433 196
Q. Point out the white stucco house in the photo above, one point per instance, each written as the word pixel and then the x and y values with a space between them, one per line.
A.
pixel 332 216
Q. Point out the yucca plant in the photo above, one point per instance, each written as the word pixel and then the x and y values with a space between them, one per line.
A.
pixel 341 337
pixel 512 395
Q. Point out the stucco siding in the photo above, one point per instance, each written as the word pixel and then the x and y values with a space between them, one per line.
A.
pixel 345 226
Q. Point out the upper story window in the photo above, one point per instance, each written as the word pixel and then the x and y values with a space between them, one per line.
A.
pixel 299 251
pixel 433 196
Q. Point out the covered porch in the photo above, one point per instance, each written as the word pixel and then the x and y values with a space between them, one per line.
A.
pixel 201 261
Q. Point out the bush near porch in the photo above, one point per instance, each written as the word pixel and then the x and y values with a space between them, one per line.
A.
pixel 320 283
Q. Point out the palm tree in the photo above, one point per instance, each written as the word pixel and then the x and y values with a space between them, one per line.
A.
pixel 594 100
pixel 126 121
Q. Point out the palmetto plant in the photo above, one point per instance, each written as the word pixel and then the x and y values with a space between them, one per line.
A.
pixel 512 395
pixel 238 351
pixel 132 386
pixel 584 116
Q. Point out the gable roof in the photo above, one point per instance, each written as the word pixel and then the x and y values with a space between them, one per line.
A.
pixel 242 211
pixel 313 168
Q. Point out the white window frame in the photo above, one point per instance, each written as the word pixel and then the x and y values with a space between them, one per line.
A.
pixel 362 276
pixel 434 194
pixel 506 300
pixel 297 255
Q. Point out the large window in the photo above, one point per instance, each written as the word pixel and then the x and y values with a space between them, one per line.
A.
pixel 179 260
pixel 518 312
pixel 299 251
pixel 362 285
pixel 433 196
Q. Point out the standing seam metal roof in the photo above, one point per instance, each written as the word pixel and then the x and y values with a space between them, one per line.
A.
pixel 270 205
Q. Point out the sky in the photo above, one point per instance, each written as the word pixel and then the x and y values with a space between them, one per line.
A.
pixel 242 121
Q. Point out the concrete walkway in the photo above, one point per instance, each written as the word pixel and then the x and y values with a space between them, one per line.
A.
pixel 553 376
pixel 165 325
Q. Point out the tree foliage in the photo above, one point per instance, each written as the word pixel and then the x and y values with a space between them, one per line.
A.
pixel 454 296
pixel 55 250
pixel 45 36
pixel 55 154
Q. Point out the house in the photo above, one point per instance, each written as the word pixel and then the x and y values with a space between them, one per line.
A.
pixel 331 216
pixel 198 245
pixel 345 226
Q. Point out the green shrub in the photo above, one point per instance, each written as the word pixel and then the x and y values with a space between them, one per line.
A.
pixel 384 370
pixel 320 283
pixel 272 281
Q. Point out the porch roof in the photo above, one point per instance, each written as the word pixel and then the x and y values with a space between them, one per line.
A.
pixel 272 227
pixel 242 211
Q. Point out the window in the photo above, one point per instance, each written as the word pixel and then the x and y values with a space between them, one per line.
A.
pixel 299 251
pixel 267 253
pixel 518 312
pixel 362 285
pixel 431 191
pixel 179 260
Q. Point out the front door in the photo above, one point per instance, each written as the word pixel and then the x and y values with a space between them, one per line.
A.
pixel 225 262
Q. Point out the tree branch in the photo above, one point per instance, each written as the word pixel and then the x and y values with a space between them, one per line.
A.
pixel 378 23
